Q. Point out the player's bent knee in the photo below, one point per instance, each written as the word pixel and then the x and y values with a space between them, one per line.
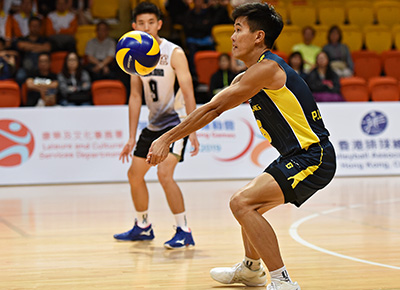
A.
pixel 164 175
pixel 238 205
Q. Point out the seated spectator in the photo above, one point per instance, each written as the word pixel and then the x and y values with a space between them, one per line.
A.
pixel 7 61
pixel 307 49
pixel 219 10
pixel 296 62
pixel 323 81
pixel 339 53
pixel 74 83
pixel 61 26
pixel 100 52
pixel 3 20
pixel 223 77
pixel 198 32
pixel 42 85
pixel 29 48
pixel 17 25
pixel 81 8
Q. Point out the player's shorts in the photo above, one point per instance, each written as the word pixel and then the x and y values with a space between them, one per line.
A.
pixel 302 174
pixel 147 137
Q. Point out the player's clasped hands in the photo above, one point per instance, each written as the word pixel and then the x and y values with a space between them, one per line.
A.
pixel 158 152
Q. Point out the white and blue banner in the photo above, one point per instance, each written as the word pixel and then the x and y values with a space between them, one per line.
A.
pixel 82 144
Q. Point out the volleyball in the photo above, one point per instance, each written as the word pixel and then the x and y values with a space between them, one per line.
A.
pixel 137 52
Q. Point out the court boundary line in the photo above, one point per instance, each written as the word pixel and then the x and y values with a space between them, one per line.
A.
pixel 293 231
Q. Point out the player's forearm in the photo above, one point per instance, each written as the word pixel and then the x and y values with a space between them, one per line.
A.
pixel 195 121
pixel 134 113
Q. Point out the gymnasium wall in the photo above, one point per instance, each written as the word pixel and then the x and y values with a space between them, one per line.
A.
pixel 82 144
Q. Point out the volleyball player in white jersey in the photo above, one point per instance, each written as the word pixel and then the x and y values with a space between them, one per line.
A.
pixel 158 88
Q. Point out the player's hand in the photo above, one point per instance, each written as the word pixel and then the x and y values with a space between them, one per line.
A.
pixel 127 151
pixel 158 151
pixel 195 144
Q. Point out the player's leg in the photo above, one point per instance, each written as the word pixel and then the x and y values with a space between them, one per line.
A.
pixel 183 236
pixel 248 205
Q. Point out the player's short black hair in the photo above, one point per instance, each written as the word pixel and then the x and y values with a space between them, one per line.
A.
pixel 261 16
pixel 146 7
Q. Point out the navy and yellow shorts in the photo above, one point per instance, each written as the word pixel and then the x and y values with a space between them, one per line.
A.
pixel 147 137
pixel 302 174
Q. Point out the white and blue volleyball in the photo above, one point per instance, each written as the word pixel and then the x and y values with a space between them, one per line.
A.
pixel 137 53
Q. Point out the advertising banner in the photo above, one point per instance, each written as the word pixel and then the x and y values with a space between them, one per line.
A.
pixel 82 144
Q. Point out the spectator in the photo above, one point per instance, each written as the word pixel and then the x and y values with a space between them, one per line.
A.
pixel 81 8
pixel 307 49
pixel 223 77
pixel 61 26
pixel 30 47
pixel 42 84
pixel 339 53
pixel 17 25
pixel 177 10
pixel 297 63
pixel 100 52
pixel 7 61
pixel 323 81
pixel 198 31
pixel 3 20
pixel 74 82
pixel 220 12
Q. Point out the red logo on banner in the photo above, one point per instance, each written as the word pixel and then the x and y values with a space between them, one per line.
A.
pixel 16 143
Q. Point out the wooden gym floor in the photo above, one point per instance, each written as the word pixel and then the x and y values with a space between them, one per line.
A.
pixel 60 237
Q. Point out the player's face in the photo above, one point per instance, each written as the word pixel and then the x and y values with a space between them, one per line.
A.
pixel 147 22
pixel 243 39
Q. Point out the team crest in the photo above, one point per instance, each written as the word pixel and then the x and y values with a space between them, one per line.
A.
pixel 163 59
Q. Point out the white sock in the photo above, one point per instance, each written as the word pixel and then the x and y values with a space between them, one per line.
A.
pixel 181 221
pixel 252 264
pixel 280 274
pixel 142 219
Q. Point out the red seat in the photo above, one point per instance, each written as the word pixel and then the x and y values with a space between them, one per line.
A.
pixel 108 92
pixel 367 64
pixel 206 63
pixel 354 89
pixel 384 89
pixel 9 94
pixel 391 63
pixel 57 61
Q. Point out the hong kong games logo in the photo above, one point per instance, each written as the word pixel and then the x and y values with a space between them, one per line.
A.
pixel 16 143
pixel 374 123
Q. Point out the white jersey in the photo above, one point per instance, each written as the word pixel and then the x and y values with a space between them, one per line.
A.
pixel 159 90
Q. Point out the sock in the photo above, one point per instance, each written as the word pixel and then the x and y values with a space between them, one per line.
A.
pixel 253 265
pixel 181 221
pixel 280 274
pixel 142 219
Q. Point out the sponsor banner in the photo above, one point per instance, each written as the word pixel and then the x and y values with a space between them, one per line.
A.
pixel 82 144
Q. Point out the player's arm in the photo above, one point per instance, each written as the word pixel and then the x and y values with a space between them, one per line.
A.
pixel 135 104
pixel 180 64
pixel 265 74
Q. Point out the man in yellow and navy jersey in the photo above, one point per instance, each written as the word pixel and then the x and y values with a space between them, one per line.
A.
pixel 288 117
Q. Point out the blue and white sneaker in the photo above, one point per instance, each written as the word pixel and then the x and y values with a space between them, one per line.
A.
pixel 181 239
pixel 136 234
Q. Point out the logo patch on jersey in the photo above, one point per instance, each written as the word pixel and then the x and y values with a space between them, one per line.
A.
pixel 163 59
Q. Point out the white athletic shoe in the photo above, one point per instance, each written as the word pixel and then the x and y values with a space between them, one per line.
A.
pixel 239 274
pixel 282 285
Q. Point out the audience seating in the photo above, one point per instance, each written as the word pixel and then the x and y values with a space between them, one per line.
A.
pixel 82 36
pixel 108 92
pixel 384 89
pixel 290 36
pixel 57 61
pixel 282 54
pixel 367 64
pixel 391 63
pixel 352 36
pixel 104 9
pixel 354 89
pixel 387 12
pixel 331 13
pixel 222 36
pixel 302 15
pixel 396 36
pixel 378 38
pixel 321 35
pixel 9 94
pixel 206 63
pixel 360 13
